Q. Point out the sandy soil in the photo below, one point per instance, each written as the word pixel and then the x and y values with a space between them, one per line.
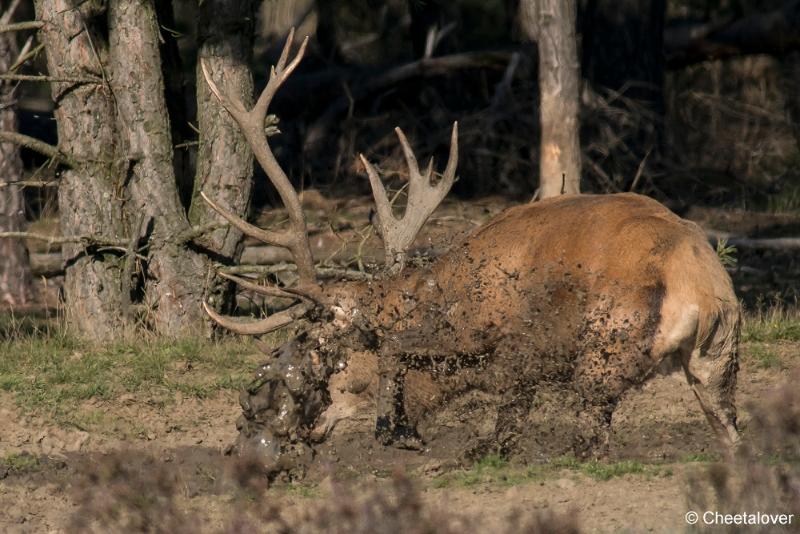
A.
pixel 659 424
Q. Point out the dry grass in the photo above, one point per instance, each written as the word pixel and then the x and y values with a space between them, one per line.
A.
pixel 765 477
pixel 118 494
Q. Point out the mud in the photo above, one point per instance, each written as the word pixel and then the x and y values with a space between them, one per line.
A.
pixel 281 405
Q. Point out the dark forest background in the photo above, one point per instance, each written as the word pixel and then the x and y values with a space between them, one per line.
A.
pixel 690 101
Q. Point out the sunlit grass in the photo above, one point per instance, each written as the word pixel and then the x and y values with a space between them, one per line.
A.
pixel 494 470
pixel 775 323
pixel 52 374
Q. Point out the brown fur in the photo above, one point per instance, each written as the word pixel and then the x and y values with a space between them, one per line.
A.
pixel 596 292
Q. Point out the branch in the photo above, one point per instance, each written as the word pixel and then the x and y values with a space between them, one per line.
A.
pixel 88 240
pixel 196 231
pixel 38 146
pixel 50 79
pixel 29 183
pixel 425 67
pixel 21 26
pixel 773 32
pixel 323 272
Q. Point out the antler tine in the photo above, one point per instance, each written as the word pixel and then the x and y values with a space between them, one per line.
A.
pixel 449 175
pixel 271 238
pixel 382 203
pixel 264 326
pixel 408 153
pixel 285 52
pixel 278 74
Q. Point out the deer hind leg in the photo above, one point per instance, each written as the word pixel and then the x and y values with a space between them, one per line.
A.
pixel 713 382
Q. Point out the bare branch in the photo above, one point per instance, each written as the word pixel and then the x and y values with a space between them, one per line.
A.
pixel 21 26
pixel 49 79
pixel 60 240
pixel 322 272
pixel 37 146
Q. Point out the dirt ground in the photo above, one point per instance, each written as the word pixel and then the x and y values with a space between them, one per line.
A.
pixel 53 475
pixel 659 427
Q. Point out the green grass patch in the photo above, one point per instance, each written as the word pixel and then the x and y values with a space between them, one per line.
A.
pixel 494 470
pixel 53 375
pixel 20 462
pixel 776 323
pixel 701 457
pixel 763 357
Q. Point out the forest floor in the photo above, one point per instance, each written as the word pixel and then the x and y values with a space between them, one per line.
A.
pixel 124 437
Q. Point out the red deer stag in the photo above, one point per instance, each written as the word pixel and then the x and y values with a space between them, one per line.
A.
pixel 594 292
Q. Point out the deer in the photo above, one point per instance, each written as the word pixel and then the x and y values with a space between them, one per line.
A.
pixel 595 292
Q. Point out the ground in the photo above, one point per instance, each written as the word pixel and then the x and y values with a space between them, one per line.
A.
pixel 135 434
pixel 180 425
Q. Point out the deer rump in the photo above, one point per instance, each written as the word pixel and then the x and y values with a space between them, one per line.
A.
pixel 575 299
pixel 578 297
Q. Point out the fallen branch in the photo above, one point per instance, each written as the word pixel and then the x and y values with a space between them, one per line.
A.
pixel 773 32
pixel 323 272
pixel 29 183
pixel 767 243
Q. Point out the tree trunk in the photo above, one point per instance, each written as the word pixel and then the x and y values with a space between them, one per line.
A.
pixel 16 281
pixel 176 275
pixel 551 24
pixel 224 159
pixel 89 198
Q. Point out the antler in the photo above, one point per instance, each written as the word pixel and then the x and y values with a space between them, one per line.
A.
pixel 295 237
pixel 423 198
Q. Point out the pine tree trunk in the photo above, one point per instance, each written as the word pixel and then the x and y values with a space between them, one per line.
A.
pixel 89 196
pixel 226 31
pixel 551 24
pixel 16 281
pixel 177 277
pixel 224 159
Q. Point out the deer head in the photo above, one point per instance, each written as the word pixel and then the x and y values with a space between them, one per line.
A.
pixel 425 193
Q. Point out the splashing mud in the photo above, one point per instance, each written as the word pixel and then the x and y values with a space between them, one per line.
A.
pixel 281 405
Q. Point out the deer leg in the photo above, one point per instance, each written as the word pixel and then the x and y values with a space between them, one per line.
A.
pixel 714 394
pixel 391 425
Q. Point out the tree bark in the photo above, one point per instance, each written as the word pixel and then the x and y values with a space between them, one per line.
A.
pixel 89 198
pixel 176 275
pixel 224 159
pixel 16 281
pixel 551 24
pixel 226 32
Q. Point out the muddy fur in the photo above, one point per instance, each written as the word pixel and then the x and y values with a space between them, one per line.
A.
pixel 521 340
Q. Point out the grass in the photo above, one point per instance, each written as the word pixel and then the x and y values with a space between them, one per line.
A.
pixel 763 357
pixel 494 470
pixel 19 462
pixel 774 323
pixel 53 375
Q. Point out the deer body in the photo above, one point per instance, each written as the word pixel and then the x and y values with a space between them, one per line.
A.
pixel 596 291
pixel 593 293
